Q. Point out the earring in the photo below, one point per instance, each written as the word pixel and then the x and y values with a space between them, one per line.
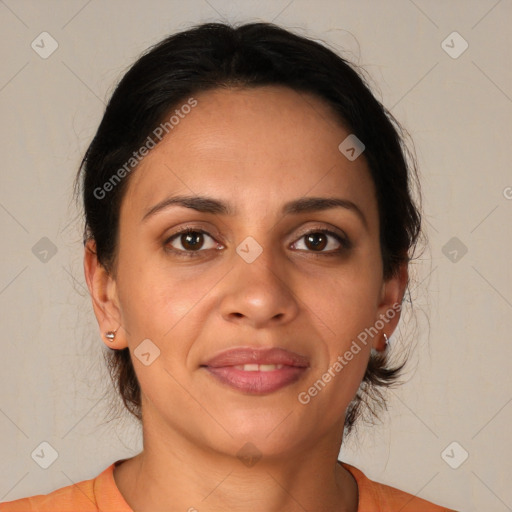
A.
pixel 386 339
pixel 110 335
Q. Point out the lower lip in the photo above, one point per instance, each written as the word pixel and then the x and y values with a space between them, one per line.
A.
pixel 258 382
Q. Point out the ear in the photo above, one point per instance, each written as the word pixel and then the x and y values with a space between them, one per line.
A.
pixel 103 291
pixel 390 306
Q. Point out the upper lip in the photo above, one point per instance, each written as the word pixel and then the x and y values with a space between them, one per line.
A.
pixel 243 355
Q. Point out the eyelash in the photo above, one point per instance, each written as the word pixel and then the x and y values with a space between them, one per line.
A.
pixel 344 242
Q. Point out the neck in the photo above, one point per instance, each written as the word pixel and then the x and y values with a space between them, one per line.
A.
pixel 176 475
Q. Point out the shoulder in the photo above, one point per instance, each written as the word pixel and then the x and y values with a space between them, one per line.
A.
pixel 376 496
pixel 76 497
pixel 92 495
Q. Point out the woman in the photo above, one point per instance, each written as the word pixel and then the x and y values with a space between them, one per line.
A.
pixel 249 225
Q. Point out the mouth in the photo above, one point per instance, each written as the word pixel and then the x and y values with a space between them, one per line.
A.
pixel 257 371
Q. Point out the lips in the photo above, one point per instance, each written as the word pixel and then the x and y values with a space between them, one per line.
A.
pixel 245 356
pixel 257 371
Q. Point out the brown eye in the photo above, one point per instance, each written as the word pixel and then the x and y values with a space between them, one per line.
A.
pixel 192 240
pixel 316 241
pixel 322 241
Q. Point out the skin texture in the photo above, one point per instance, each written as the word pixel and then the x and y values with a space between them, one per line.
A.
pixel 255 149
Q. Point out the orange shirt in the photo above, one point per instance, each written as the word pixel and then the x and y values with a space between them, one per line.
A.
pixel 101 494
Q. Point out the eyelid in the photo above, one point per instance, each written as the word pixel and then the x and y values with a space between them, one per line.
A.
pixel 322 226
pixel 195 228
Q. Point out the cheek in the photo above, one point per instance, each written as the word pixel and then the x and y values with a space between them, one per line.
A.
pixel 347 343
pixel 347 307
pixel 155 297
pixel 347 302
pixel 346 312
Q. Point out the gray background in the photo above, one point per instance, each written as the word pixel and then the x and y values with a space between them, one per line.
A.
pixel 458 112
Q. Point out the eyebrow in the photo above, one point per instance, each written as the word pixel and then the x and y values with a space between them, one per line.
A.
pixel 208 205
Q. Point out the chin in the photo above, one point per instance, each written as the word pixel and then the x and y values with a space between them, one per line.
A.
pixel 272 430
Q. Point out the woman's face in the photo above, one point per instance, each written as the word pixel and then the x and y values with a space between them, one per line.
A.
pixel 257 272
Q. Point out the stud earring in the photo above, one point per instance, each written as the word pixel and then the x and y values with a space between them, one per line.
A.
pixel 110 335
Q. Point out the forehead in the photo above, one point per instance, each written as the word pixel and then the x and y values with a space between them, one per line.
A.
pixel 252 148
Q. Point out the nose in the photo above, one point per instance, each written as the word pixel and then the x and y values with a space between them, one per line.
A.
pixel 259 294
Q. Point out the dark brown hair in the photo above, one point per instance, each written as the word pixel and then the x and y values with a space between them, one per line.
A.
pixel 216 55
